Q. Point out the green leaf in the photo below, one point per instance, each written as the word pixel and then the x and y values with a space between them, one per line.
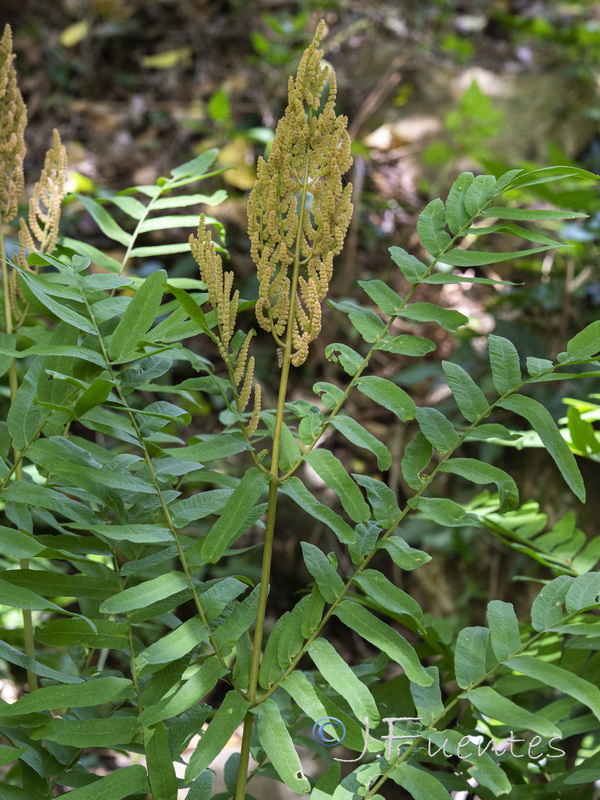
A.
pixel 431 227
pixel 389 597
pixel 504 629
pixel 329 582
pixel 417 455
pixel 201 788
pixel 427 312
pixel 420 784
pixel 329 393
pixel 198 506
pixel 583 593
pixel 546 609
pixel 428 699
pixel 586 343
pixel 24 417
pixel 122 783
pixel 384 297
pixel 210 448
pixel 504 360
pixel 110 732
pixel 404 556
pixel 104 221
pixel 558 679
pixel 14 656
pixel 331 471
pixel 406 345
pixel 482 189
pixel 457 216
pixel 230 714
pixel 274 737
pixel 381 497
pixel 360 436
pixel 77 633
pixel 192 692
pixel 349 359
pixel 437 429
pixel 138 534
pixel 442 278
pixel 96 393
pixel 470 656
pixel 479 258
pixel 504 212
pixel 95 255
pixel 545 427
pixel 469 397
pixel 368 324
pixel 294 488
pixel 10 754
pixel 231 524
pixel 289 453
pixel 19 545
pixel 412 269
pixel 138 317
pixel 196 166
pixel 192 309
pixel 161 772
pixel 492 430
pixel 144 594
pixel 479 472
pixel 443 511
pixel 93 692
pixel 547 174
pixel 489 702
pixel 388 395
pixel 383 637
pixel 174 645
pixel 342 679
pixel 43 497
pixel 183 200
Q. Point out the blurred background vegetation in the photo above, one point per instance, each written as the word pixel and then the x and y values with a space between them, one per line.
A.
pixel 431 88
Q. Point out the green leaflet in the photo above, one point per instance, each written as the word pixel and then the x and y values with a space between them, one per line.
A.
pixel 295 489
pixel 10 754
pixel 482 189
pixel 201 788
pixel 388 395
pixel 19 597
pixel 291 639
pixel 385 638
pixel 122 783
pixel 219 594
pixel 479 472
pixel 457 216
pixel 329 582
pixel 231 524
pixel 428 699
pixel 405 345
pixel 427 312
pixel 61 310
pixel 342 679
pixel 138 316
pixel 330 394
pixel 93 692
pixel 547 608
pixel 312 613
pixel 583 593
pixel 361 437
pixel 417 455
pixel 586 343
pixel 404 556
pixel 504 629
pixel 210 448
pixel 198 506
pixel 161 772
pixel 489 702
pixel 77 633
pixel 138 534
pixel 469 397
pixel 443 511
pixel 437 429
pixel 389 597
pixel 24 417
pixel 42 497
pixel 230 714
pixel 470 656
pixel 505 212
pixel 431 227
pixel 558 679
pixel 349 359
pixel 289 453
pixel 381 497
pixel 104 221
pixel 238 621
pixel 96 394
pixel 174 645
pixel 384 297
pixel 412 269
pixel 478 258
pixel 19 545
pixel 145 593
pixel 277 743
pixel 504 360
pixel 420 784
pixel 331 471
pixel 55 584
pixel 545 427
pixel 14 656
pixel 191 693
pixel 368 324
pixel 110 732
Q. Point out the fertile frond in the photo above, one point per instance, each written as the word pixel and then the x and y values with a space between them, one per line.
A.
pixel 299 210
pixel 13 119
pixel 40 231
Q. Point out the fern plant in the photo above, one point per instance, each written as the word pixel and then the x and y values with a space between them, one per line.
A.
pixel 119 524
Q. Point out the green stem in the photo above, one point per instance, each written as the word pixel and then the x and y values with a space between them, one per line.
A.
pixel 272 504
pixel 13 382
